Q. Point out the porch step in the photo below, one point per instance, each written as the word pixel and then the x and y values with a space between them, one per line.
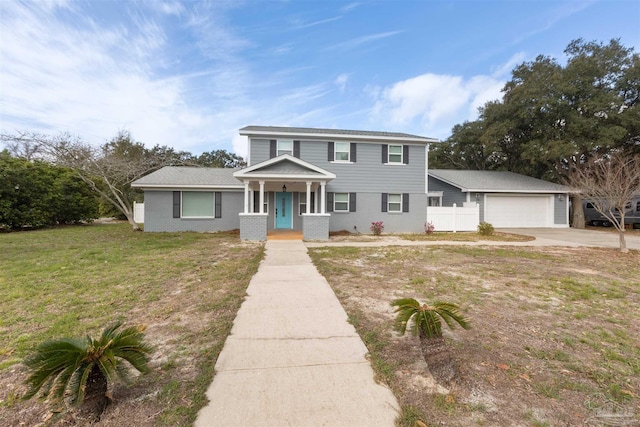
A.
pixel 284 235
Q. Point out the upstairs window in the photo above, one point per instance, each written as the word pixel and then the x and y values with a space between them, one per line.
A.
pixel 285 146
pixel 395 154
pixel 342 151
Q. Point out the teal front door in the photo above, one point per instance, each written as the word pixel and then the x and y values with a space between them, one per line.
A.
pixel 283 210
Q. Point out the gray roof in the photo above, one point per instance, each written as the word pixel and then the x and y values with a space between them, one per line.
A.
pixel 184 176
pixel 496 181
pixel 299 131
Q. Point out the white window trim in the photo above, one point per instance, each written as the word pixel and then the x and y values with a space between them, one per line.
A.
pixel 435 195
pixel 389 162
pixel 213 214
pixel 335 201
pixel 335 153
pixel 389 203
pixel 287 151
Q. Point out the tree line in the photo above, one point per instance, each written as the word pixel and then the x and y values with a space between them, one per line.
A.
pixel 576 123
pixel 48 180
pixel 553 116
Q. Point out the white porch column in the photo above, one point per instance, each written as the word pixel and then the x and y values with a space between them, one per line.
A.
pixel 251 201
pixel 323 198
pixel 246 197
pixel 308 207
pixel 261 197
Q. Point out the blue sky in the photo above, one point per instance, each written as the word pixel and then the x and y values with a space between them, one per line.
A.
pixel 189 74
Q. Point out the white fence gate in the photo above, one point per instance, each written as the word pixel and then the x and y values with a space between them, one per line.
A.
pixel 454 218
pixel 138 212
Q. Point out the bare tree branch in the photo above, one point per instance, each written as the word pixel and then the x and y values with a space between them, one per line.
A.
pixel 610 183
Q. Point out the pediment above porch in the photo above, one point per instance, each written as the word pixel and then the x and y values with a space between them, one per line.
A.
pixel 284 167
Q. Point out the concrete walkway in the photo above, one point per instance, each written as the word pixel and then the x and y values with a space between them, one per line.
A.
pixel 292 359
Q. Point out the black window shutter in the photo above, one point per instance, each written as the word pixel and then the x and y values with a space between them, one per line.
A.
pixel 384 202
pixel 218 204
pixel 296 149
pixel 313 202
pixel 352 156
pixel 272 148
pixel 405 202
pixel 256 201
pixel 329 202
pixel 405 154
pixel 330 155
pixel 385 153
pixel 176 204
pixel 352 202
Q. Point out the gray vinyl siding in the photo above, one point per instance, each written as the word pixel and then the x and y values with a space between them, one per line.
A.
pixel 367 175
pixel 258 151
pixel 450 194
pixel 158 214
pixel 369 211
pixel 560 209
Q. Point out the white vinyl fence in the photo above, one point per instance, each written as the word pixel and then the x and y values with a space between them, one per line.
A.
pixel 138 212
pixel 454 218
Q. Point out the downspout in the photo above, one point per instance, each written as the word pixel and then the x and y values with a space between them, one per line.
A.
pixel 426 181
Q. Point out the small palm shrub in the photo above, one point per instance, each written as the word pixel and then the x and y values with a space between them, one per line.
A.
pixel 425 321
pixel 377 228
pixel 82 370
pixel 485 229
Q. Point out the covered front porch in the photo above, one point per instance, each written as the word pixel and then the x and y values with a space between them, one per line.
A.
pixel 284 193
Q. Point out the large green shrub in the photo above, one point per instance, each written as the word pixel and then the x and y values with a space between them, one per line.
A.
pixel 38 194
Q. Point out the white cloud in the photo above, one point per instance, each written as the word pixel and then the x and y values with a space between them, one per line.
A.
pixel 432 103
pixel 341 81
pixel 93 79
pixel 506 68
pixel 241 146
pixel 358 41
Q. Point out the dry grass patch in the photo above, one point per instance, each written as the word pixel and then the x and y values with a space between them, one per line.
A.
pixel 554 330
pixel 186 287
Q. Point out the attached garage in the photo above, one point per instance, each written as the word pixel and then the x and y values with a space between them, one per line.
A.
pixel 519 211
pixel 505 199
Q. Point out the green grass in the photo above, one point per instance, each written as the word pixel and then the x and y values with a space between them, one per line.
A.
pixel 187 287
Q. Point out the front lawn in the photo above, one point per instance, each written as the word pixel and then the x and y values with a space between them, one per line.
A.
pixel 70 281
pixel 554 338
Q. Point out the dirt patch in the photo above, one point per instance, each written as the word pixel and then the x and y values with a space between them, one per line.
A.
pixel 554 330
pixel 188 316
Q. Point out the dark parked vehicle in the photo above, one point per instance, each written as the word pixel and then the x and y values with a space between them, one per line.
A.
pixel 631 214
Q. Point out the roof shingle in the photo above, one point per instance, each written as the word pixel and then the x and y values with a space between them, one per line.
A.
pixel 500 181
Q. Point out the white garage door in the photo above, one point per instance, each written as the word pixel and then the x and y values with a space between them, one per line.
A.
pixel 511 211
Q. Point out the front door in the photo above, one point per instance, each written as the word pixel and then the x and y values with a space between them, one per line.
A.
pixel 283 210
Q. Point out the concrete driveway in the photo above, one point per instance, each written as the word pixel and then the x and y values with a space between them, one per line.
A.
pixel 576 237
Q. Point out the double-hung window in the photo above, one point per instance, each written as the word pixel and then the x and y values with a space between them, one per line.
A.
pixel 394 203
pixel 302 205
pixel 395 154
pixel 341 202
pixel 342 151
pixel 285 146
pixel 198 204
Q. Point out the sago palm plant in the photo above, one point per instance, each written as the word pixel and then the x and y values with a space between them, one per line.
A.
pixel 82 370
pixel 426 322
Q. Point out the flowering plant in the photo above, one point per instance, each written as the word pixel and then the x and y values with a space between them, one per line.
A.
pixel 377 228
pixel 429 228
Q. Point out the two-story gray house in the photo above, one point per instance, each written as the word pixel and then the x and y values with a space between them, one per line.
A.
pixel 307 179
